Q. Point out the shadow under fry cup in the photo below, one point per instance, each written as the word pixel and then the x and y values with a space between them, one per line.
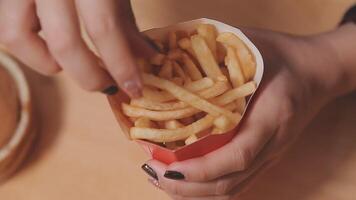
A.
pixel 207 143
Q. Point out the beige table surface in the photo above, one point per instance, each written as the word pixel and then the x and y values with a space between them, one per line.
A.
pixel 81 154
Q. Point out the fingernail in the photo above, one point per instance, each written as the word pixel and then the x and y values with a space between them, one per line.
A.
pixel 154 182
pixel 174 175
pixel 111 90
pixel 149 171
pixel 133 88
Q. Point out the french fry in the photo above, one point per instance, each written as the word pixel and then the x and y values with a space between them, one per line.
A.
pixel 208 32
pixel 243 53
pixel 154 105
pixel 164 135
pixel 173 124
pixel 166 70
pixel 191 139
pixel 186 44
pixel 194 86
pixel 191 68
pixel 234 94
pixel 221 85
pixel 236 75
pixel 143 122
pixel 199 85
pixel 188 97
pixel 177 69
pixel 132 111
pixel 155 95
pixel 223 123
pixel 205 57
pixel 172 40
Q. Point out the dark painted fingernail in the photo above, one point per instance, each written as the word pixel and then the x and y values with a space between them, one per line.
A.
pixel 149 171
pixel 174 175
pixel 111 90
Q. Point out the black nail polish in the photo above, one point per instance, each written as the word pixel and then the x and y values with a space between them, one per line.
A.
pixel 111 90
pixel 149 171
pixel 174 175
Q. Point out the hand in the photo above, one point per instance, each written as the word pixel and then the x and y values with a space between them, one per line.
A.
pixel 293 90
pixel 110 25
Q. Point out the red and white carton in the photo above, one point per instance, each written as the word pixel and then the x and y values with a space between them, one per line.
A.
pixel 205 144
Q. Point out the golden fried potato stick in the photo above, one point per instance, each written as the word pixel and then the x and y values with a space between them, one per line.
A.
pixel 186 44
pixel 221 85
pixel 199 85
pixel 164 135
pixel 235 72
pixel 237 94
pixel 209 33
pixel 234 94
pixel 154 105
pixel 173 124
pixel 132 111
pixel 188 97
pixel 191 68
pixel 223 123
pixel 191 139
pixel 177 69
pixel 144 122
pixel 205 57
pixel 195 86
pixel 166 71
pixel 155 95
pixel 246 58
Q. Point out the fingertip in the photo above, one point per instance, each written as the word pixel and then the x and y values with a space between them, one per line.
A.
pixel 133 87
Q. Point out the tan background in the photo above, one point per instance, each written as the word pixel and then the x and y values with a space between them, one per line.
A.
pixel 82 155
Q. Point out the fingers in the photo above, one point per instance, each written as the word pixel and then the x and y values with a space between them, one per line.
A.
pixel 19 33
pixel 223 186
pixel 235 156
pixel 61 30
pixel 107 25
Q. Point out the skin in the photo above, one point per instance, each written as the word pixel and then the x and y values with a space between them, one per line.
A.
pixel 110 25
pixel 302 75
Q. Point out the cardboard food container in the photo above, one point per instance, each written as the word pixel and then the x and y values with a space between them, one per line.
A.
pixel 205 144
pixel 14 151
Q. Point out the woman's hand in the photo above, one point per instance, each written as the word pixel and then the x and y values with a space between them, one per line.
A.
pixel 110 25
pixel 296 85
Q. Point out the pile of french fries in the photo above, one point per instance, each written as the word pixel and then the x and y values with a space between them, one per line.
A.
pixel 197 85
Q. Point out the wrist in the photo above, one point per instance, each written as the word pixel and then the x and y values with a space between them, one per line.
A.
pixel 338 48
